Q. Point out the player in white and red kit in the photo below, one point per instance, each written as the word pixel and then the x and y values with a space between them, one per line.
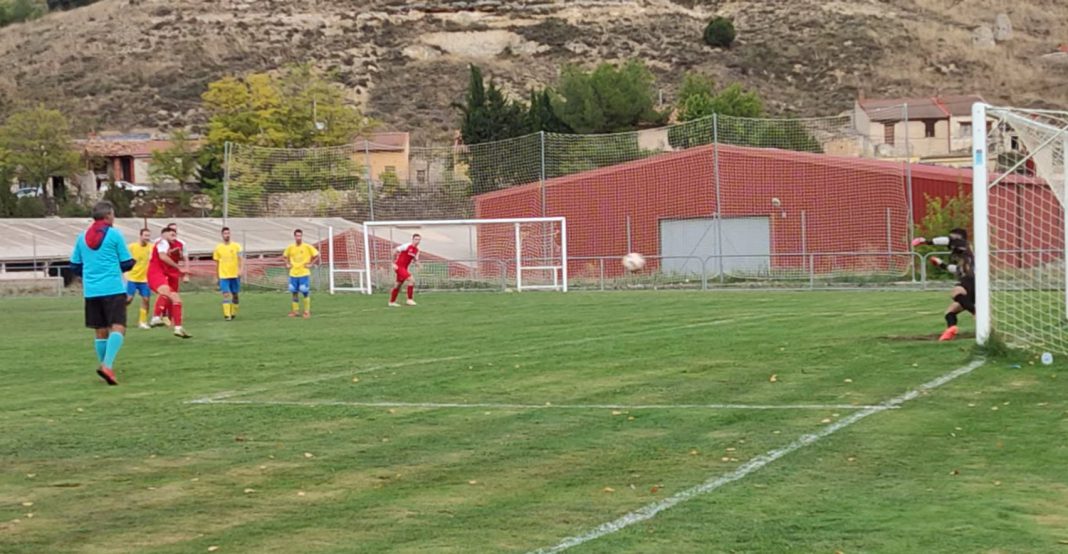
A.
pixel 406 254
pixel 164 276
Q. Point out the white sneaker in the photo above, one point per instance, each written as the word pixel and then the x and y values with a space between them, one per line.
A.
pixel 156 322
pixel 411 302
pixel 144 326
pixel 393 305
pixel 180 333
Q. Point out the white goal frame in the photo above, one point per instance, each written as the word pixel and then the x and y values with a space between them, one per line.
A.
pixel 365 284
pixel 981 218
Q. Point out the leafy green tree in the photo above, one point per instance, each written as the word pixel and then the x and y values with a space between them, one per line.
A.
pixel 608 99
pixel 38 145
pixel 120 199
pixel 694 84
pixel 176 163
pixel 17 11
pixel 391 183
pixel 488 116
pixel 697 99
pixel 8 200
pixel 542 116
pixel 299 108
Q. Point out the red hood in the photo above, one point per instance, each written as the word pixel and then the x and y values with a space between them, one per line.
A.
pixel 94 236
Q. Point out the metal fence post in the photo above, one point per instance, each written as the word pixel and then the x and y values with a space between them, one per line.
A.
pixel 911 213
pixel 370 184
pixel 602 273
pixel 227 149
pixel 719 199
pixel 541 136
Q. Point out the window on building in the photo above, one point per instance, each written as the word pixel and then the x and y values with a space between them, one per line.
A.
pixel 420 176
pixel 1014 142
pixel 965 129
pixel 929 128
pixel 391 169
pixel 888 132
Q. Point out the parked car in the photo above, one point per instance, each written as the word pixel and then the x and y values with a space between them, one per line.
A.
pixel 29 192
pixel 138 190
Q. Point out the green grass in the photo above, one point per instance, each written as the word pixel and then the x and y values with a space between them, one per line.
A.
pixel 292 458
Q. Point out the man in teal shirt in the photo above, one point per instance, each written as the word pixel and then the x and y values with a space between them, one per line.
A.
pixel 100 257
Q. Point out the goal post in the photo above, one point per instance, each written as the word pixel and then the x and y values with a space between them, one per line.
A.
pixel 1020 196
pixel 455 254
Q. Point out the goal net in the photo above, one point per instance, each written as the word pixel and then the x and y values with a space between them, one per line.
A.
pixel 464 254
pixel 1020 189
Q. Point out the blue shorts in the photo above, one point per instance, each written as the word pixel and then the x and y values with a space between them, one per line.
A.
pixel 133 288
pixel 300 284
pixel 232 286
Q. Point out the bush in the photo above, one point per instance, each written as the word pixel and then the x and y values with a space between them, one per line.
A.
pixel 30 206
pixel 120 199
pixel 8 201
pixel 942 215
pixel 74 208
pixel 391 183
pixel 719 33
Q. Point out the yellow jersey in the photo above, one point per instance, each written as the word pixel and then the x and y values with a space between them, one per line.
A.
pixel 299 257
pixel 228 256
pixel 141 255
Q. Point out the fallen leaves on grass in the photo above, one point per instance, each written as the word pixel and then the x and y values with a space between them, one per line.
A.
pixel 309 455
pixel 774 378
pixel 608 489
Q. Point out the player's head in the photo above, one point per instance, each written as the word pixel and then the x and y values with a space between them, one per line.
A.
pixel 298 236
pixel 416 238
pixel 173 227
pixel 958 239
pixel 104 211
pixel 226 234
pixel 168 233
pixel 145 235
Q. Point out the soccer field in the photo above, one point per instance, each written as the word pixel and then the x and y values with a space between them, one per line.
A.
pixel 591 422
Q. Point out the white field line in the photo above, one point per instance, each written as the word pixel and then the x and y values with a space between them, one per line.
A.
pixel 214 398
pixel 651 510
pixel 545 406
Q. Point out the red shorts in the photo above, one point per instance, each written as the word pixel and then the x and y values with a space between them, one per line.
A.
pixel 403 275
pixel 157 280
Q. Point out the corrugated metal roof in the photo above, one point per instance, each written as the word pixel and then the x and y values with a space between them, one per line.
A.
pixel 53 238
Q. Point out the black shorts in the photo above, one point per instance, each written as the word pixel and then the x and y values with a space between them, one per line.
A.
pixel 969 285
pixel 104 311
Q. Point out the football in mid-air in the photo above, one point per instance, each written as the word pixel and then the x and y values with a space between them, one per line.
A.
pixel 633 261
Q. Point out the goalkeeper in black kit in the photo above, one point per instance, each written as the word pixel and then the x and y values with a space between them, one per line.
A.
pixel 962 265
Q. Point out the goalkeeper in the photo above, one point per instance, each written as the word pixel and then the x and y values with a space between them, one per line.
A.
pixel 962 265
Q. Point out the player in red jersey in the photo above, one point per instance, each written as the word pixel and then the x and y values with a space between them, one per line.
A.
pixel 406 254
pixel 164 276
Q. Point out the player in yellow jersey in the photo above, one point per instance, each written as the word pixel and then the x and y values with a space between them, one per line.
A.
pixel 227 258
pixel 137 278
pixel 298 257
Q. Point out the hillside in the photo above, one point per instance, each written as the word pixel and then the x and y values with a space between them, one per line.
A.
pixel 143 63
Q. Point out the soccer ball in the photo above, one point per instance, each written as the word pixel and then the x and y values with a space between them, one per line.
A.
pixel 633 261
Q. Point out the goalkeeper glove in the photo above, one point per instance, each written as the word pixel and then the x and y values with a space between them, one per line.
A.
pixel 918 241
pixel 936 261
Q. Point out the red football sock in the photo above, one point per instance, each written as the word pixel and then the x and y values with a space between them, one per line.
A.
pixel 161 305
pixel 393 294
pixel 176 314
pixel 411 291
